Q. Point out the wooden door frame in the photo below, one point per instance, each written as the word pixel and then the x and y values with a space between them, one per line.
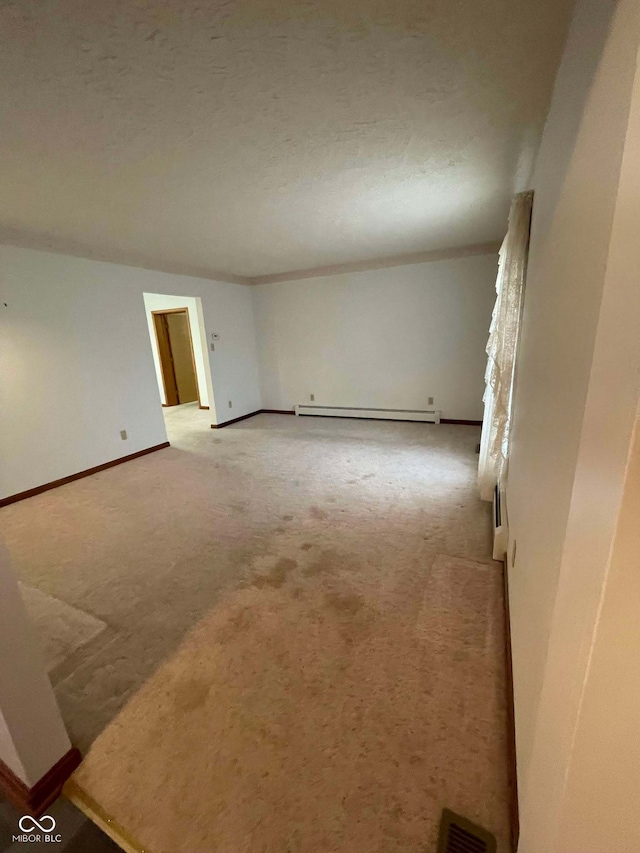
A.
pixel 165 311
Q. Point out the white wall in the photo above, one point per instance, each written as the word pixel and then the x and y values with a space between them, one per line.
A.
pixel 199 337
pixel 602 788
pixel 76 366
pixel 32 735
pixel 576 185
pixel 386 338
pixel 575 403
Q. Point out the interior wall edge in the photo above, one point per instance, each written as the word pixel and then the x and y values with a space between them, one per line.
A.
pixel 428 256
pixel 54 484
pixel 49 245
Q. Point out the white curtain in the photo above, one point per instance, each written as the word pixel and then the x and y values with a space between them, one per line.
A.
pixel 502 347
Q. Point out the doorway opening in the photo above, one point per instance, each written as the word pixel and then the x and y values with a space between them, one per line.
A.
pixel 181 358
pixel 176 355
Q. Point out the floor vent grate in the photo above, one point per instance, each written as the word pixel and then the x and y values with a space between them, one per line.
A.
pixel 459 835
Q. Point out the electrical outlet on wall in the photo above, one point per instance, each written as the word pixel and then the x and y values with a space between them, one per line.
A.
pixel 123 434
pixel 312 397
pixel 430 401
pixel 230 404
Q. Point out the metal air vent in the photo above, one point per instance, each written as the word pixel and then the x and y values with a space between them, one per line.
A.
pixel 459 835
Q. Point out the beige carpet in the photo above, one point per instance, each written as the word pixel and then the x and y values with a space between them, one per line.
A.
pixel 317 710
pixel 331 524
pixel 60 628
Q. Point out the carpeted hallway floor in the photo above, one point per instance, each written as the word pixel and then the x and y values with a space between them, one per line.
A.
pixel 349 669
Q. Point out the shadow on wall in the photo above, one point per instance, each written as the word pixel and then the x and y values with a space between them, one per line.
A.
pixel 553 171
pixel 576 185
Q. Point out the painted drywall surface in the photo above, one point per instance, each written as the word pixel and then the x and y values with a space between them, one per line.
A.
pixel 260 138
pixel 8 752
pixel 228 311
pixel 32 734
pixel 387 338
pixel 160 302
pixel 76 366
pixel 576 186
pixel 602 789
pixel 596 569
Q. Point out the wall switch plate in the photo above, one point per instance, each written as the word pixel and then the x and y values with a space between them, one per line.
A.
pixel 123 434
pixel 312 397
pixel 430 401
pixel 230 404
pixel 213 347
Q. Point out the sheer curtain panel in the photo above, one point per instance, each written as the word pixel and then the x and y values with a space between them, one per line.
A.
pixel 502 347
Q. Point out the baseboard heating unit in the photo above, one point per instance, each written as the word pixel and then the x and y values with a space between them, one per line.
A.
pixel 429 417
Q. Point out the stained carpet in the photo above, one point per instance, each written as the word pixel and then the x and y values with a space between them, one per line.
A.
pixel 344 679
pixel 317 710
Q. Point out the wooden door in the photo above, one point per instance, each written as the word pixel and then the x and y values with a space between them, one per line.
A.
pixel 175 350
pixel 182 353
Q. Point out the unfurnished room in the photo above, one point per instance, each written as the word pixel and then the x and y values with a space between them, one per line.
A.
pixel 319 456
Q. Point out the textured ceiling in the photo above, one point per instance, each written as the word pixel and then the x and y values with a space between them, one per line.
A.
pixel 259 136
